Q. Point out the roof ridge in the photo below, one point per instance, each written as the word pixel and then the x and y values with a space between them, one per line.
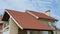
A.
pixel 13 10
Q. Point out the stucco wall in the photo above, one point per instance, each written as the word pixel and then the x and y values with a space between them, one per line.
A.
pixel 13 28
pixel 44 21
pixel 58 31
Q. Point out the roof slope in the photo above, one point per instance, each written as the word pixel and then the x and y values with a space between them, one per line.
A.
pixel 27 21
pixel 42 15
pixel 0 23
pixel 0 18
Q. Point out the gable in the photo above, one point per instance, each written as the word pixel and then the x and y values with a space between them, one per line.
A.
pixel 5 17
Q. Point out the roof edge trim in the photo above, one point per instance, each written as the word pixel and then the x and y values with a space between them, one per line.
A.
pixel 14 20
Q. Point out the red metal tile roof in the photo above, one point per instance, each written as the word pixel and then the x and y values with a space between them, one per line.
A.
pixel 27 21
pixel 0 17
pixel 0 23
pixel 42 15
pixel 0 26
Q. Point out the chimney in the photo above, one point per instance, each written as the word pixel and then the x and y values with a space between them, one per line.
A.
pixel 47 12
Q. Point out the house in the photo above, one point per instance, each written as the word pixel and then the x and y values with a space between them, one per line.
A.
pixel 28 22
pixel 1 25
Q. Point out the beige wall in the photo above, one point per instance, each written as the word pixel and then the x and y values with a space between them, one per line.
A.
pixel 58 31
pixel 13 28
pixel 44 21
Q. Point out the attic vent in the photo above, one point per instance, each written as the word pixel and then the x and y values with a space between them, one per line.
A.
pixel 32 14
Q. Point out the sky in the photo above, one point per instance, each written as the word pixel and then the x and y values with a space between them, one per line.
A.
pixel 35 5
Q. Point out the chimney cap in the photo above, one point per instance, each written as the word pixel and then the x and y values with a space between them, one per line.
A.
pixel 47 11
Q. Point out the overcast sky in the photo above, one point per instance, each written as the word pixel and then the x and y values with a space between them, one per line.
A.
pixel 36 5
